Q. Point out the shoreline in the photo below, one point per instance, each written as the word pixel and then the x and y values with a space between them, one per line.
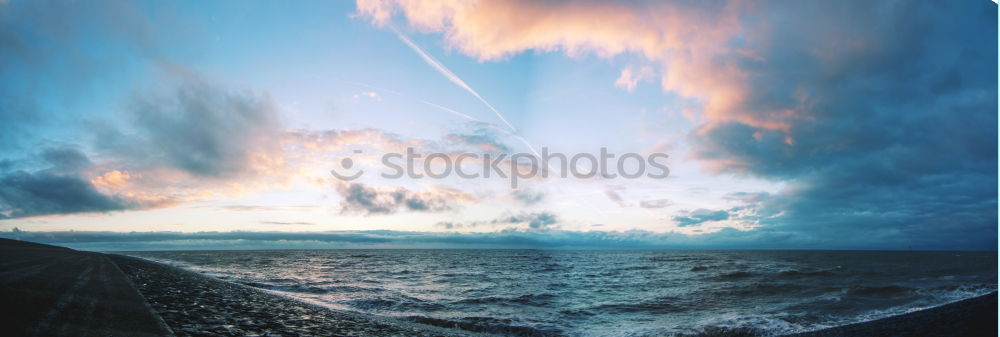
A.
pixel 195 304
pixel 967 317
pixel 976 316
pixel 59 291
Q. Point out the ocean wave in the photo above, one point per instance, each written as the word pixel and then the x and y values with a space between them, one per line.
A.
pixel 889 290
pixel 285 288
pixel 794 273
pixel 757 289
pixel 722 331
pixel 553 267
pixel 528 299
pixel 663 305
pixel 383 304
pixel 353 289
pixel 505 327
pixel 732 276
pixel 682 258
pixel 605 293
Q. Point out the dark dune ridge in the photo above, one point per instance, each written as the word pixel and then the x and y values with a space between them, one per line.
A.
pixel 54 291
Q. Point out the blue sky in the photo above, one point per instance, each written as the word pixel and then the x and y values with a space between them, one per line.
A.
pixel 787 125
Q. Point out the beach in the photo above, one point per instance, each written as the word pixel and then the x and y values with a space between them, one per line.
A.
pixel 54 291
pixel 195 305
pixel 62 292
pixel 971 317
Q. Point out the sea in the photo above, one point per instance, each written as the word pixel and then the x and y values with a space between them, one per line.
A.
pixel 608 293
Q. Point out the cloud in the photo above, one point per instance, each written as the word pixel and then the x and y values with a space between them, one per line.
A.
pixel 199 128
pixel 25 194
pixel 450 75
pixel 59 189
pixel 875 134
pixel 66 159
pixel 747 197
pixel 899 144
pixel 701 46
pixel 535 221
pixel 369 200
pixel 368 94
pixel 657 203
pixel 482 142
pixel 257 208
pixel 481 137
pixel 299 223
pixel 260 157
pixel 527 197
pixel 551 239
pixel 699 216
pixel 631 76
pixel 449 225
pixel 612 193
pixel 192 140
pixel 189 138
pixel 48 45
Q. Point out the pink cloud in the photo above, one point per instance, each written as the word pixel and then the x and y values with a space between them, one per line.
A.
pixel 691 43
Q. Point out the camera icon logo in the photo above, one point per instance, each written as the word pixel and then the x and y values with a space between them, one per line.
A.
pixel 347 164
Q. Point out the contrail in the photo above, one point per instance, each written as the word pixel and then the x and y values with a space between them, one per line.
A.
pixel 397 93
pixel 459 82
pixel 452 111
pixel 449 75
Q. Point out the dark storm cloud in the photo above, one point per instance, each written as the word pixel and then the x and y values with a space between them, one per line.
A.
pixel 59 189
pixel 699 216
pixel 58 58
pixel 200 128
pixel 30 194
pixel 66 159
pixel 368 200
pixel 6 165
pixel 195 126
pixel 895 136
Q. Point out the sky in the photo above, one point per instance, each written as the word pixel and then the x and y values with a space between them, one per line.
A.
pixel 791 125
